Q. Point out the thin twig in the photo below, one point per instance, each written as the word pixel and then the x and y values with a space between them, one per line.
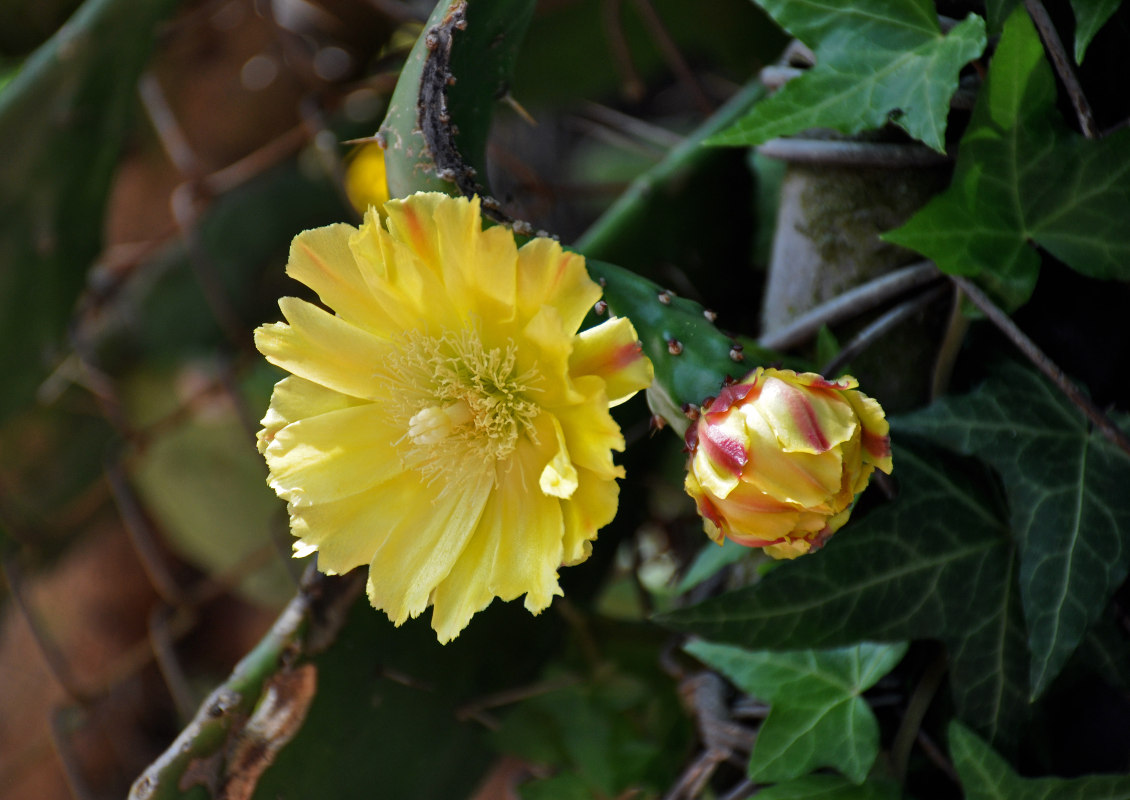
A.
pixel 670 51
pixel 162 638
pixel 56 661
pixel 937 757
pixel 169 131
pixel 956 327
pixel 696 776
pixel 141 536
pixel 705 693
pixel 743 790
pixel 633 127
pixel 183 202
pixel 850 304
pixel 226 719
pixel 854 154
pixel 72 768
pixel 916 708
pixel 1062 63
pixel 880 328
pixel 632 87
pixel 629 208
pixel 476 710
pixel 1042 362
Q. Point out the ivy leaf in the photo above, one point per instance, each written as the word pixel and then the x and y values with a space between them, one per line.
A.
pixel 818 717
pixel 1023 177
pixel 1066 486
pixel 1090 16
pixel 711 559
pixel 1106 650
pixel 605 733
pixel 877 61
pixel 987 776
pixel 936 562
pixel 830 787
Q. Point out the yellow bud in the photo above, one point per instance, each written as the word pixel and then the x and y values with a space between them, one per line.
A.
pixel 777 459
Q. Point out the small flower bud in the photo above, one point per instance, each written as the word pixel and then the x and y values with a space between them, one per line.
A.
pixel 777 459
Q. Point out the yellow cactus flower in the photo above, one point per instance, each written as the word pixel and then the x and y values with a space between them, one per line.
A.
pixel 447 426
pixel 777 459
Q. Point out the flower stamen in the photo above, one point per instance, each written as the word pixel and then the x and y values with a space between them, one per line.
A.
pixel 464 405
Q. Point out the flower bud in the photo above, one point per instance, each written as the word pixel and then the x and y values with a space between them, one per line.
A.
pixel 777 459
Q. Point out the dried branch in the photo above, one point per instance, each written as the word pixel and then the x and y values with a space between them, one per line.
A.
pixel 1042 362
pixel 242 724
pixel 850 304
pixel 1062 63
pixel 881 327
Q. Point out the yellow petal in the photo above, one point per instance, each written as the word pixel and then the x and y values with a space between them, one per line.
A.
pixel 590 508
pixel 494 274
pixel 296 398
pixel 876 430
pixel 711 518
pixel 409 294
pixel 530 552
pixel 467 588
pixel 590 431
pixel 479 267
pixel 347 532
pixel 559 477
pixel 330 456
pixel 547 349
pixel 612 351
pixel 754 518
pixel 788 550
pixel 441 232
pixel 323 260
pixel 547 275
pixel 804 421
pixel 323 348
pixel 422 546
pixel 803 478
pixel 713 476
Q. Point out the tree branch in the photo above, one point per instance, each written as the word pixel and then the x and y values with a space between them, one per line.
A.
pixel 1059 57
pixel 1042 362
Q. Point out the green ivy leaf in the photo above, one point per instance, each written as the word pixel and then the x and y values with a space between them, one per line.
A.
pixel 818 717
pixel 611 729
pixel 996 12
pixel 877 61
pixel 936 562
pixel 1023 177
pixel 830 787
pixel 711 559
pixel 987 776
pixel 1106 650
pixel 1090 16
pixel 1066 488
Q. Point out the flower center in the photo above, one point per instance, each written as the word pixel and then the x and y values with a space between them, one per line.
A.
pixel 464 406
